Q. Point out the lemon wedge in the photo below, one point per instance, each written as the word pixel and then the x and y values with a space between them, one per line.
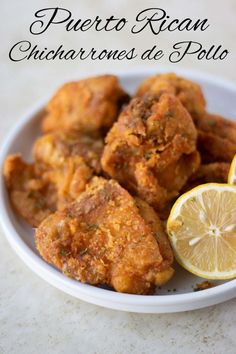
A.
pixel 202 231
pixel 232 172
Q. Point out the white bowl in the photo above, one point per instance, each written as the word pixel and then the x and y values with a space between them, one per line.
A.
pixel 178 294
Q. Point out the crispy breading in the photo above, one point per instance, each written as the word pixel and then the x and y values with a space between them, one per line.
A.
pixel 151 149
pixel 89 105
pixel 102 238
pixel 52 150
pixel 216 172
pixel 31 197
pixel 63 166
pixel 156 225
pixel 68 161
pixel 189 93
pixel 216 138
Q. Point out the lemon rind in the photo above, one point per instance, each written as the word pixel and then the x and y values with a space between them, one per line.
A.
pixel 232 172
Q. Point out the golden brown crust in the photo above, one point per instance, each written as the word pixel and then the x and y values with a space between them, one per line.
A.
pixel 216 138
pixel 156 225
pixel 31 197
pixel 68 161
pixel 188 92
pixel 216 172
pixel 52 150
pixel 63 166
pixel 151 149
pixel 102 238
pixel 89 105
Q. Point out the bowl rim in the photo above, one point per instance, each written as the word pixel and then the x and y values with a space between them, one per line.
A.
pixel 55 277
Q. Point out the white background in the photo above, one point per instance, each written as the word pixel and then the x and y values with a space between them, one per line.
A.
pixel 34 317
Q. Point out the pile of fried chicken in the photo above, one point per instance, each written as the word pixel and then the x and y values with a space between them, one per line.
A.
pixel 107 170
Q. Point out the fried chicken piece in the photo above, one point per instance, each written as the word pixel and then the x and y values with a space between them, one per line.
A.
pixel 188 92
pixel 216 172
pixel 151 149
pixel 88 105
pixel 103 239
pixel 63 166
pixel 216 138
pixel 68 162
pixel 156 225
pixel 30 196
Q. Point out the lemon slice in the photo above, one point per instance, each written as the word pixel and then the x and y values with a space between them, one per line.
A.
pixel 202 231
pixel 232 172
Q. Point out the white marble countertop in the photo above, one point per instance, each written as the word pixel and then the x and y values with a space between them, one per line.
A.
pixel 35 317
